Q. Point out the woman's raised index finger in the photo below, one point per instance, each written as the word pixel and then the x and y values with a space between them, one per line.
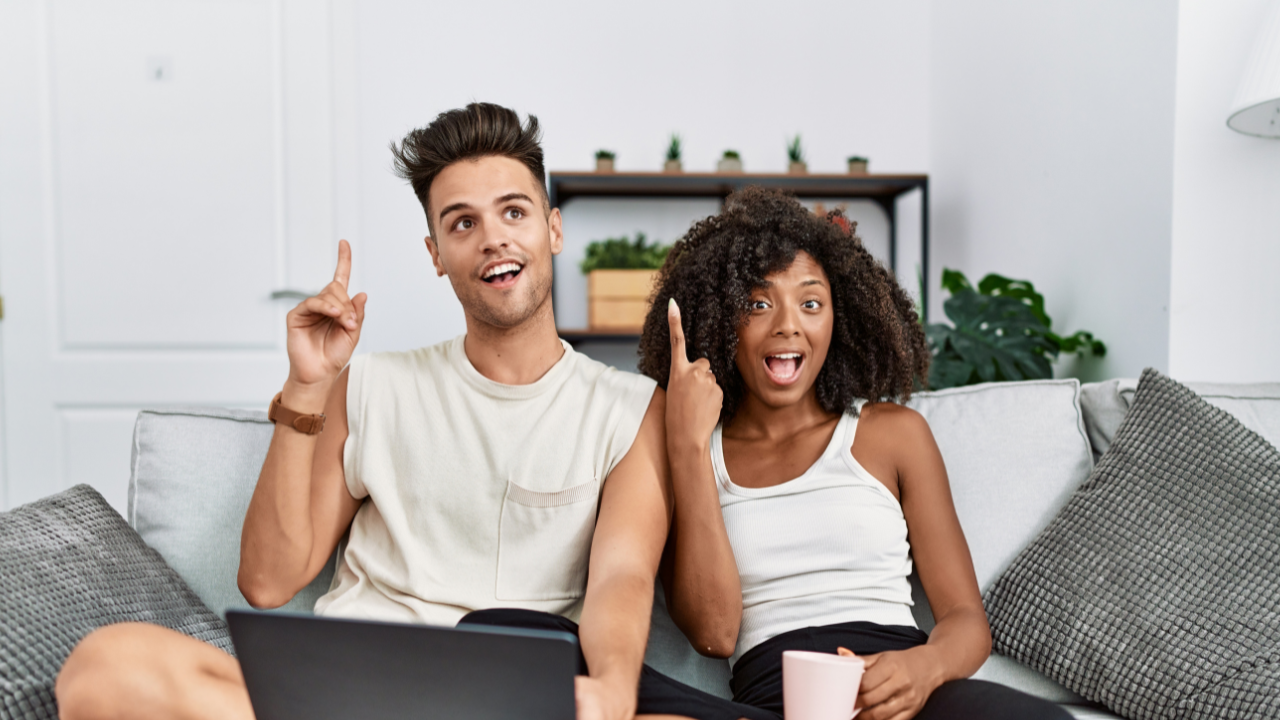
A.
pixel 678 356
pixel 343 273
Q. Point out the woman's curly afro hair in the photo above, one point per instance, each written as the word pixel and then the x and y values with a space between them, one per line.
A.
pixel 878 349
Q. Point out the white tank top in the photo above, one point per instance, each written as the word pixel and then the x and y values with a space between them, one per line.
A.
pixel 477 494
pixel 827 547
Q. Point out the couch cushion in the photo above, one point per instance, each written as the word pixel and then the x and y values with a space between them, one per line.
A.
pixel 69 564
pixel 1256 405
pixel 1014 453
pixel 1156 591
pixel 194 471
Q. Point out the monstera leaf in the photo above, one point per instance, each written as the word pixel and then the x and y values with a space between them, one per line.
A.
pixel 1000 332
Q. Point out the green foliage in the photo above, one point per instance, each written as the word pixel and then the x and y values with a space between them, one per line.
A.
pixel 732 155
pixel 1001 332
pixel 673 149
pixel 795 152
pixel 622 253
pixel 605 155
pixel 857 158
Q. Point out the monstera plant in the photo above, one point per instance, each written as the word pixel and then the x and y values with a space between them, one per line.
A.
pixel 1000 332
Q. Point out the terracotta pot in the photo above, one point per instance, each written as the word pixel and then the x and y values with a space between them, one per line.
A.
pixel 618 299
pixel 672 166
pixel 729 165
pixel 857 167
pixel 604 165
pixel 798 168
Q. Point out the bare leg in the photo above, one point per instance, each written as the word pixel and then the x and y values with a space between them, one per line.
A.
pixel 140 672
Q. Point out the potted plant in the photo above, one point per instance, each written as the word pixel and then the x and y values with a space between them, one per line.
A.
pixel 731 162
pixel 672 165
pixel 1000 332
pixel 604 161
pixel 857 165
pixel 620 274
pixel 795 153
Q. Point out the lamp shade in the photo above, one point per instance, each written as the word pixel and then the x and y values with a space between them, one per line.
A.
pixel 1256 110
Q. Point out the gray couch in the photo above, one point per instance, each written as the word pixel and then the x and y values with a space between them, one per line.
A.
pixel 1014 454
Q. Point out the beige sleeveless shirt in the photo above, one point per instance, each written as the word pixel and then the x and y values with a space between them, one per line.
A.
pixel 477 494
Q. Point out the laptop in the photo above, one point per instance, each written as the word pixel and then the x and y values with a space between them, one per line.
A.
pixel 313 668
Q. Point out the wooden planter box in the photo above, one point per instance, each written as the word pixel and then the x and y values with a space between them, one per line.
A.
pixel 618 299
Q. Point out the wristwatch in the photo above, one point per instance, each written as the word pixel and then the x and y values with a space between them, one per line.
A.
pixel 305 424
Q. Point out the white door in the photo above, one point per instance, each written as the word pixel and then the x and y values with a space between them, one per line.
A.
pixel 165 167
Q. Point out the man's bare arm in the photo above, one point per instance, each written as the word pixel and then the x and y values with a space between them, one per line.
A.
pixel 301 506
pixel 626 549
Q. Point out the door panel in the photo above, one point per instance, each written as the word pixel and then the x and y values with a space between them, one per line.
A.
pixel 165 161
pixel 94 447
pixel 149 206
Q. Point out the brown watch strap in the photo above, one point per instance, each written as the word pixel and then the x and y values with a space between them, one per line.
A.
pixel 305 424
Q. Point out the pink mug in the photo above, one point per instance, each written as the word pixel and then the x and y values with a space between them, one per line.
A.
pixel 820 686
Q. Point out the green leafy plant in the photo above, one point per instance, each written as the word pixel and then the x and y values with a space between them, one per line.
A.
pixel 605 155
pixel 795 152
pixel 1001 332
pixel 857 158
pixel 622 253
pixel 732 155
pixel 673 149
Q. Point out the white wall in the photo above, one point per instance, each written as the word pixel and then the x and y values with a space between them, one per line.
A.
pixel 1225 316
pixel 1051 131
pixel 850 76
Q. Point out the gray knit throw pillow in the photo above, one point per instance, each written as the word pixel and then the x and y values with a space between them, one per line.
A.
pixel 1156 590
pixel 69 564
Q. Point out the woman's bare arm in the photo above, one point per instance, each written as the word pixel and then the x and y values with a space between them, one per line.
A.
pixel 895 444
pixel 699 574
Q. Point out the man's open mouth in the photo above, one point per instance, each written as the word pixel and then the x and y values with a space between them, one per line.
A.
pixel 784 368
pixel 502 274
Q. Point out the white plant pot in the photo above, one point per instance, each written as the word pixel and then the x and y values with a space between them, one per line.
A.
pixel 729 165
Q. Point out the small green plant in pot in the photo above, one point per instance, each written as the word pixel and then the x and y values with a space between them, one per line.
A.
pixel 730 162
pixel 604 160
pixel 672 164
pixel 858 165
pixel 620 274
pixel 1000 332
pixel 795 154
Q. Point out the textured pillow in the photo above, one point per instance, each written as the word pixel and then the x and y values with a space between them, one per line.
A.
pixel 1156 591
pixel 69 564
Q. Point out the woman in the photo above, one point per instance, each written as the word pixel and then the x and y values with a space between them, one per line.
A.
pixel 803 491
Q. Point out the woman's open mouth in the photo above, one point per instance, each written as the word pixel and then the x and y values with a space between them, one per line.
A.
pixel 503 275
pixel 783 368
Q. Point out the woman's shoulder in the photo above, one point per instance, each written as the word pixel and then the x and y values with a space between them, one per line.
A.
pixel 892 425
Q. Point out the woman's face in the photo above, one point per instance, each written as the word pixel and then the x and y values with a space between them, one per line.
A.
pixel 783 344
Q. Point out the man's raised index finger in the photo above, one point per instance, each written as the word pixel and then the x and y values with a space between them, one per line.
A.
pixel 343 273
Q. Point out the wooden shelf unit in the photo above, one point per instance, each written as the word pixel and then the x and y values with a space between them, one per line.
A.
pixel 884 190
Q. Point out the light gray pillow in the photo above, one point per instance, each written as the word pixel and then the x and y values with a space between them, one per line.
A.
pixel 1156 591
pixel 194 471
pixel 69 564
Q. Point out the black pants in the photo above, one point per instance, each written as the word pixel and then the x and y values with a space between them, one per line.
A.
pixel 757 676
pixel 659 694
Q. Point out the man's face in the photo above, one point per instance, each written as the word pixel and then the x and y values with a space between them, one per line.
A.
pixel 494 239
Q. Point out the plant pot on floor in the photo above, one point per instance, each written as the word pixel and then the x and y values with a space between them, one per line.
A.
pixel 857 166
pixel 798 168
pixel 604 165
pixel 618 300
pixel 672 166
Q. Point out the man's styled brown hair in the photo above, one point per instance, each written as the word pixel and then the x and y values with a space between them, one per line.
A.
pixel 470 133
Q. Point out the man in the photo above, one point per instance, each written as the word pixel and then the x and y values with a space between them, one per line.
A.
pixel 491 471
